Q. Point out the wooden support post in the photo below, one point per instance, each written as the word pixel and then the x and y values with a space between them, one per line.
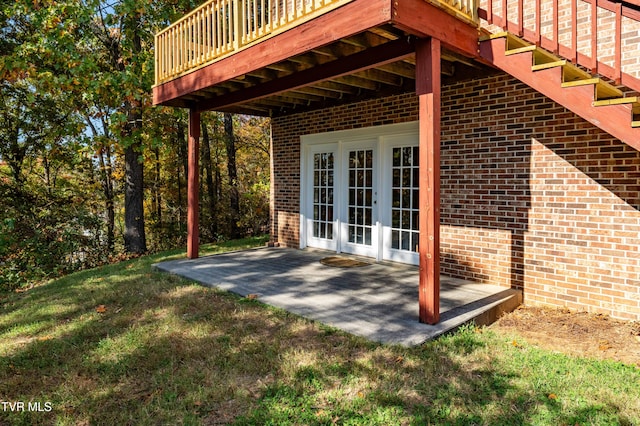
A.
pixel 428 91
pixel 193 242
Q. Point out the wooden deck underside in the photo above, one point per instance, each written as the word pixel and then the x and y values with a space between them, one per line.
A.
pixel 362 50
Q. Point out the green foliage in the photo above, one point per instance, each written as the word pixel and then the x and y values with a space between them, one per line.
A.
pixel 45 234
pixel 75 90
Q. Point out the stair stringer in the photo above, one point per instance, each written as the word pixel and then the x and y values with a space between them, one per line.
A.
pixel 613 119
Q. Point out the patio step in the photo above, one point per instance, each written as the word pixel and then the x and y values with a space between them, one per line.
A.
pixel 481 312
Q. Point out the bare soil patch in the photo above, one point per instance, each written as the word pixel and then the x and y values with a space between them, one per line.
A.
pixel 575 333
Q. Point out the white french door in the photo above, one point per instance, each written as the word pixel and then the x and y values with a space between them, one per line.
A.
pixel 359 231
pixel 320 197
pixel 400 208
pixel 359 192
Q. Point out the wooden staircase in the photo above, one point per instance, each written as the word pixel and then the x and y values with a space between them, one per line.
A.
pixel 592 98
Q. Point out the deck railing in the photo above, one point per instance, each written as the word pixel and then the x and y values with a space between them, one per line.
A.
pixel 465 9
pixel 219 28
pixel 601 35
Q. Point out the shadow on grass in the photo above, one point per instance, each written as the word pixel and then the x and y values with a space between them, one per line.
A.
pixel 167 351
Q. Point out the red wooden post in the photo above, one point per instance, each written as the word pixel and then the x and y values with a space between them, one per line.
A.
pixel 193 242
pixel 428 91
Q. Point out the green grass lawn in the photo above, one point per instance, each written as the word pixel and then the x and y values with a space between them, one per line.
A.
pixel 123 344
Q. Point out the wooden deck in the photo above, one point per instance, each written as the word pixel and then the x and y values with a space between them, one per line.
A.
pixel 337 52
pixel 377 301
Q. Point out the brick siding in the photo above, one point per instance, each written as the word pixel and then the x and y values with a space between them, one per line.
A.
pixel 533 197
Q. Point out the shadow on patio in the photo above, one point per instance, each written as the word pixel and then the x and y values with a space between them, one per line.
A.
pixel 378 301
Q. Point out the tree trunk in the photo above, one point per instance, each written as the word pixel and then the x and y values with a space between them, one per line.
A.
pixel 107 188
pixel 134 233
pixel 208 177
pixel 234 197
pixel 183 170
pixel 157 185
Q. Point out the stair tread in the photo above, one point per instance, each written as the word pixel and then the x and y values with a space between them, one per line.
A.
pixel 547 65
pixel 571 72
pixel 499 34
pixel 617 101
pixel 582 82
pixel 522 49
pixel 603 90
pixel 541 56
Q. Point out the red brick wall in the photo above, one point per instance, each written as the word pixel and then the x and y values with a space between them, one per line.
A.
pixel 533 197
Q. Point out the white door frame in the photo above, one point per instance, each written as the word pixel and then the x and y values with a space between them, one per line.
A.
pixel 382 139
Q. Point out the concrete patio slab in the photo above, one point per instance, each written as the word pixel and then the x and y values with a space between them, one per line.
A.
pixel 378 301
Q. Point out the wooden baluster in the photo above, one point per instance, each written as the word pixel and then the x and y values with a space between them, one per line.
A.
pixel 185 41
pixel 209 30
pixel 218 21
pixel 197 37
pixel 156 56
pixel 520 18
pixel 594 36
pixel 172 45
pixel 182 46
pixel 160 57
pixel 203 30
pixel 176 48
pixel 177 44
pixel 188 50
pixel 538 31
pixel 556 42
pixel 263 23
pixel 166 53
pixel 505 24
pixel 490 11
pixel 617 67
pixel 574 31
pixel 193 39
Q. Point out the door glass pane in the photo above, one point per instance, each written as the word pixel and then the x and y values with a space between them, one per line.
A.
pixel 360 196
pixel 323 171
pixel 404 205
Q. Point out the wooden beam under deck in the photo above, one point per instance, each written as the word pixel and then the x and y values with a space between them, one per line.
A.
pixel 383 54
pixel 422 19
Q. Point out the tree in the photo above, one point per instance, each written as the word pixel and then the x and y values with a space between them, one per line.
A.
pixel 234 196
pixel 79 138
